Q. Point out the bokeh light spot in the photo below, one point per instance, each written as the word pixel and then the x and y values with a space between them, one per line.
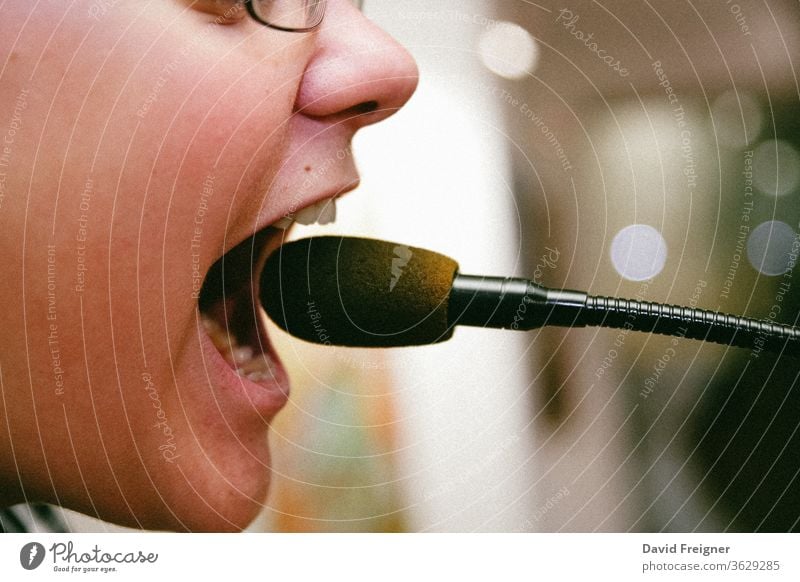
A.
pixel 638 252
pixel 770 246
pixel 776 168
pixel 738 119
pixel 508 50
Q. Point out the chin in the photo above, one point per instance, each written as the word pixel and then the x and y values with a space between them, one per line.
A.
pixel 220 483
pixel 201 496
pixel 231 385
pixel 229 508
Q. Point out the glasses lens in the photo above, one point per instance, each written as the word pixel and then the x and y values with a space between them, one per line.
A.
pixel 290 14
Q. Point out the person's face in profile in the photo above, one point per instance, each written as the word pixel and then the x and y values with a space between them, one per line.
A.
pixel 141 142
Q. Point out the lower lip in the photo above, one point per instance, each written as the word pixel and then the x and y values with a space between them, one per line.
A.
pixel 265 398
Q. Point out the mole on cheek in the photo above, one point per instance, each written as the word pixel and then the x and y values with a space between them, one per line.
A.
pixel 307 168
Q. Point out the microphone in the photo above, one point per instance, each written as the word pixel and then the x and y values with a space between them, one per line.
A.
pixel 359 292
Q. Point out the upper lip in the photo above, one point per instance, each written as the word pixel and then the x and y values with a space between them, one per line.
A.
pixel 267 220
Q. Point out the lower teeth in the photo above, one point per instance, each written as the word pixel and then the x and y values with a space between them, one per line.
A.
pixel 254 367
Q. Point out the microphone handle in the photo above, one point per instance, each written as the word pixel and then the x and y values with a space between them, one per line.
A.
pixel 510 303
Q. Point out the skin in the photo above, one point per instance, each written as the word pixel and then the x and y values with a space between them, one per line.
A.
pixel 117 116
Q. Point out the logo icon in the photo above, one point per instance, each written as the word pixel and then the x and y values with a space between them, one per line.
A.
pixel 31 555
pixel 402 255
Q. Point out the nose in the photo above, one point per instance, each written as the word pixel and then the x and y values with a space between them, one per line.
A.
pixel 358 73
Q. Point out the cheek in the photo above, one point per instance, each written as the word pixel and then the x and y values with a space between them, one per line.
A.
pixel 214 124
pixel 233 127
pixel 144 136
pixel 242 136
pixel 201 99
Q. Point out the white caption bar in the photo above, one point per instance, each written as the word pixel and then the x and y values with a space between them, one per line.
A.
pixel 329 557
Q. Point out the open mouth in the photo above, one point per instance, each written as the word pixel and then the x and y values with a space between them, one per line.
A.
pixel 231 313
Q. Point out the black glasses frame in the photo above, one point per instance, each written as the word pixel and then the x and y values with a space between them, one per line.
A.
pixel 252 11
pixel 257 18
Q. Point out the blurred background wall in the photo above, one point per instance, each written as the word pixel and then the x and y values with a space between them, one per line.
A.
pixel 625 148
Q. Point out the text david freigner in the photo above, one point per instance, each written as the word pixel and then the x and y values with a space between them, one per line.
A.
pixel 685 549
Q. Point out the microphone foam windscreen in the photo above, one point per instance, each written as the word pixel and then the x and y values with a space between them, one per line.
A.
pixel 358 292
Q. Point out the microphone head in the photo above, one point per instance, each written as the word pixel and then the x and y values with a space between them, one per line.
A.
pixel 358 292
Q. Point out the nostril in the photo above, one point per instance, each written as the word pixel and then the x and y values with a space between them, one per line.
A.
pixel 364 108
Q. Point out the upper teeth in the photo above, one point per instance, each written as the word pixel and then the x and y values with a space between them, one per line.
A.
pixel 322 212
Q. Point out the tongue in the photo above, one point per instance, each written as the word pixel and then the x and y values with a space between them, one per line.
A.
pixel 231 274
pixel 228 312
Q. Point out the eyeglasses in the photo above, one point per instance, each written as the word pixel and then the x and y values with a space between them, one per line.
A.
pixel 290 15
